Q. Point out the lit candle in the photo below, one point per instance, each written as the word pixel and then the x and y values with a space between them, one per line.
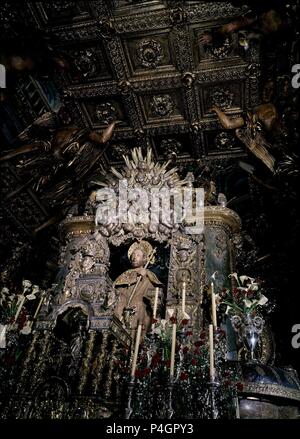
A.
pixel 211 353
pixel 20 307
pixel 155 302
pixel 136 349
pixel 183 298
pixel 173 350
pixel 213 305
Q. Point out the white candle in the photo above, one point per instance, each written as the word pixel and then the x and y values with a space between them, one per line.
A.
pixel 172 363
pixel 38 307
pixel 211 353
pixel 19 308
pixel 155 302
pixel 136 349
pixel 183 299
pixel 213 306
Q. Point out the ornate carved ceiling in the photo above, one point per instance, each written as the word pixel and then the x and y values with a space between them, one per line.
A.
pixel 141 63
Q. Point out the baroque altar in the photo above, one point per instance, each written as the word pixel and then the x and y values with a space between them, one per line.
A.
pixel 110 282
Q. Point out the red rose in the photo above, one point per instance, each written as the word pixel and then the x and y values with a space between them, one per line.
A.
pixel 184 322
pixel 188 333
pixel 235 291
pixel 199 343
pixel 173 319
pixel 154 320
pixel 203 335
pixel 185 349
pixel 138 373
pixel 194 362
pixel 183 376
pixel 240 387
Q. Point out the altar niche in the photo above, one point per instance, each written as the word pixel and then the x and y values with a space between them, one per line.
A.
pixel 140 273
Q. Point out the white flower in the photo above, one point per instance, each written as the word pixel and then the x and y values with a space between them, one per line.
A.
pixel 31 297
pixel 163 323
pixel 35 289
pixel 4 291
pixel 26 284
pixel 185 316
pixel 248 303
pixel 228 309
pixel 170 312
pixel 263 300
pixel 248 278
pixel 234 275
pixel 26 329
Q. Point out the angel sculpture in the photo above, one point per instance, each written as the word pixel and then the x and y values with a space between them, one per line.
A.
pixel 57 162
pixel 249 130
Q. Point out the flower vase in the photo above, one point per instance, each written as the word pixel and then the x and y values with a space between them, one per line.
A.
pixel 249 328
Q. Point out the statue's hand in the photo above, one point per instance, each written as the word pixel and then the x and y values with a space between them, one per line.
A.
pixel 142 271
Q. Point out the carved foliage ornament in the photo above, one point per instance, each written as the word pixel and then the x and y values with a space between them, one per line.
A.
pixel 220 50
pixel 118 150
pixel 106 113
pixel 162 105
pixel 224 140
pixel 221 97
pixel 171 148
pixel 85 62
pixel 149 53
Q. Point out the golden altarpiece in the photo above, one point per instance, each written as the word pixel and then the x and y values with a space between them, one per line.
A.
pixel 70 369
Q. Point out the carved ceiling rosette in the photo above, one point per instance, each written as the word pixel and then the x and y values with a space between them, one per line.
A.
pixel 171 148
pixel 106 113
pixel 118 150
pixel 149 53
pixel 162 105
pixel 224 140
pixel 85 62
pixel 221 97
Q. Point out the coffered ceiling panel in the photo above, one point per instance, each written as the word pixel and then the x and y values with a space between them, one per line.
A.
pixel 151 54
pixel 88 63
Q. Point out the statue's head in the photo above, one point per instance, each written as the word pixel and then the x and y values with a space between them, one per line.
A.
pixel 139 252
pixel 138 258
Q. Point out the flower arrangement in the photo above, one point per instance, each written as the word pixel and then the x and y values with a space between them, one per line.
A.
pixel 190 388
pixel 13 315
pixel 245 298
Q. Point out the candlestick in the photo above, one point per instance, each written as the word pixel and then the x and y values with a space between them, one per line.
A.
pixel 136 349
pixel 213 306
pixel 183 298
pixel 155 302
pixel 211 353
pixel 173 350
pixel 19 308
